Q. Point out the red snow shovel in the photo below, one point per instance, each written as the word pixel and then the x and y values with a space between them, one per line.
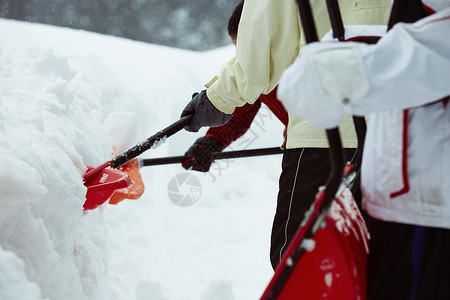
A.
pixel 104 180
pixel 103 186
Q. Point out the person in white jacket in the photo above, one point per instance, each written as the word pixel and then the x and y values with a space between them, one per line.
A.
pixel 403 84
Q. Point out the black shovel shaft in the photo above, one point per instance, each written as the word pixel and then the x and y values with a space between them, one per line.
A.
pixel 306 18
pixel 148 143
pixel 336 19
pixel 216 155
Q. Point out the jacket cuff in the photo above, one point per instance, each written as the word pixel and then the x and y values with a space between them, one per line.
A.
pixel 219 103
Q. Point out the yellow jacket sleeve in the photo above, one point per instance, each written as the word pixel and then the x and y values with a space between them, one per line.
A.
pixel 267 43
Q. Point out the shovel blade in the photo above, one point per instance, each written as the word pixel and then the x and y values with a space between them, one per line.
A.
pixel 136 189
pixel 333 265
pixel 100 189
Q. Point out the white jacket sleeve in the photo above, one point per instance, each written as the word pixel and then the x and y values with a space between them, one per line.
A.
pixel 408 67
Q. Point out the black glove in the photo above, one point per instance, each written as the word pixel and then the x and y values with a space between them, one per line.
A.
pixel 199 156
pixel 205 113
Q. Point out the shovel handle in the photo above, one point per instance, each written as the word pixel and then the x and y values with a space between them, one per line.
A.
pixel 217 155
pixel 334 14
pixel 148 143
pixel 138 149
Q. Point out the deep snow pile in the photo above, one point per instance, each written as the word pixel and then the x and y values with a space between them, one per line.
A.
pixel 66 99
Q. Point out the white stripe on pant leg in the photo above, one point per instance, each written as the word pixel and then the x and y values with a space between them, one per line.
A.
pixel 290 205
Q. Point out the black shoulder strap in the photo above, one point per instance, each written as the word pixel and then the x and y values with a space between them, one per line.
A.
pixel 407 11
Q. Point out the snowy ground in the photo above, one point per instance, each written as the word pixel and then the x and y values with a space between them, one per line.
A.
pixel 67 98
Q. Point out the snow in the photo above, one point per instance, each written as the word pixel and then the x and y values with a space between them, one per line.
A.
pixel 328 279
pixel 67 99
pixel 308 244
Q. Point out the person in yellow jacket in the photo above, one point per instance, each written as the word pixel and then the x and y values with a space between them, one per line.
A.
pixel 268 42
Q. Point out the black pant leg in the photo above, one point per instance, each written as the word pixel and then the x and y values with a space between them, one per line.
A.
pixel 303 171
pixel 389 262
